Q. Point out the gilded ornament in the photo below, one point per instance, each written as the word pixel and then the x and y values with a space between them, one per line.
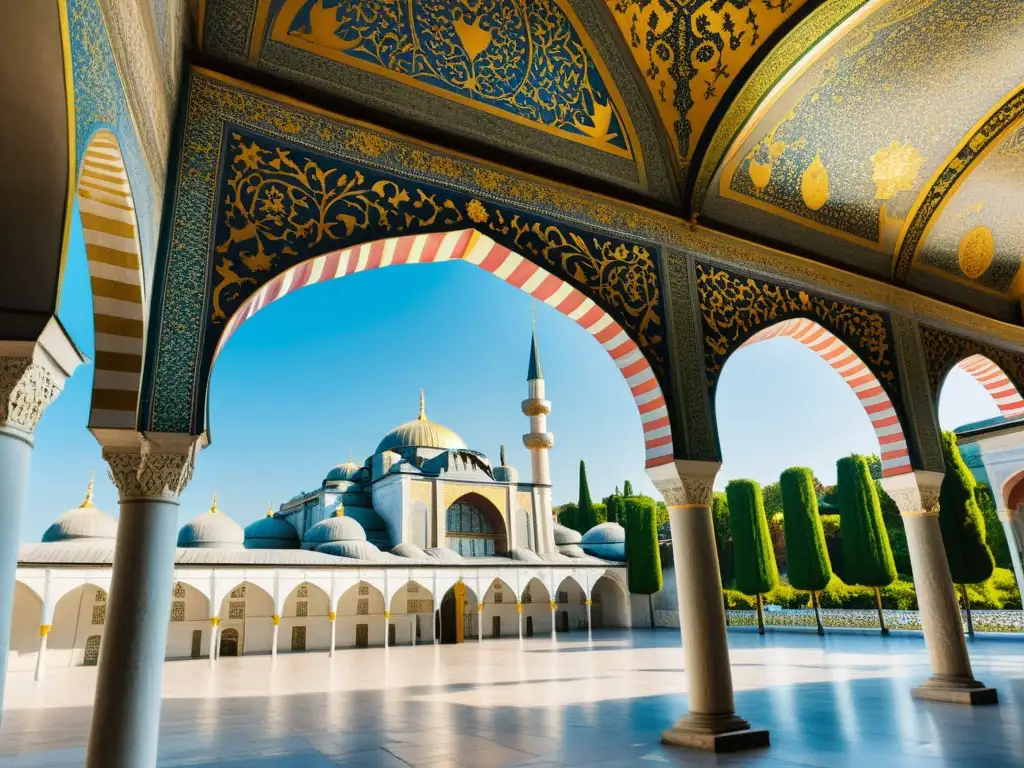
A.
pixel 476 211
pixel 976 250
pixel 942 351
pixel 895 169
pixel 814 184
pixel 530 61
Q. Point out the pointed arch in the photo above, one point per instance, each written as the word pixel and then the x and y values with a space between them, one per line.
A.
pixel 412 597
pixel 998 385
pixel 873 398
pixel 317 601
pixel 472 247
pixel 114 256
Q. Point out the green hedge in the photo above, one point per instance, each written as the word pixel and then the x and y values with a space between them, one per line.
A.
pixel 806 553
pixel 754 561
pixel 867 556
pixel 645 576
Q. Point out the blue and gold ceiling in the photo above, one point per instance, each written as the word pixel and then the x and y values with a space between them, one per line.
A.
pixel 893 145
pixel 883 136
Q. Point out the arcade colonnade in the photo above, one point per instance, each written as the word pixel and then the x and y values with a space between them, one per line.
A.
pixel 60 613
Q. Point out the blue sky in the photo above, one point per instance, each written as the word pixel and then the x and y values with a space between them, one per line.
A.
pixel 332 368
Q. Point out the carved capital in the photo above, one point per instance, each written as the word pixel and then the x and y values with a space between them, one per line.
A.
pixel 26 388
pixel 915 493
pixel 685 482
pixel 149 474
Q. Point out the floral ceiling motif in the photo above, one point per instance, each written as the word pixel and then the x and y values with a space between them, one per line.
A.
pixel 690 53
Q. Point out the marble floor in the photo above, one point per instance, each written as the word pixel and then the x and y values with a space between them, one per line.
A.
pixel 837 702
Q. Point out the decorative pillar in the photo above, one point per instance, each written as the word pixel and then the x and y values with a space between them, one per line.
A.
pixel 712 723
pixel 273 642
pixel 32 374
pixel 916 494
pixel 480 622
pixel 590 631
pixel 44 630
pixel 387 629
pixel 519 618
pixel 334 628
pixel 126 714
pixel 214 639
pixel 554 624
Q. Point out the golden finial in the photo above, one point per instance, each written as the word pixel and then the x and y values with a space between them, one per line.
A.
pixel 88 490
pixel 270 510
pixel 213 509
pixel 339 511
pixel 423 407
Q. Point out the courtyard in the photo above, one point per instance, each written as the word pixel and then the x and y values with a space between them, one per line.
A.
pixel 842 700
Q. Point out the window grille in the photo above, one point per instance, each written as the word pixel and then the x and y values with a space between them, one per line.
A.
pixel 364 590
pixel 302 608
pixel 363 608
pixel 238 592
pixel 303 591
pixel 413 588
pixel 99 613
pixel 177 611
pixel 527 597
pixel 179 591
pixel 498 597
pixel 101 596
pixel 236 610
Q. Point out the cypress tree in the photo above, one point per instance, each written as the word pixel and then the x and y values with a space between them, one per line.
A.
pixel 867 556
pixel 806 553
pixel 611 505
pixel 754 563
pixel 644 572
pixel 723 536
pixel 585 516
pixel 627 490
pixel 962 525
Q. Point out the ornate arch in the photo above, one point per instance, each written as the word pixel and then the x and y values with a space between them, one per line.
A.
pixel 472 247
pixel 998 370
pixel 738 310
pixel 114 255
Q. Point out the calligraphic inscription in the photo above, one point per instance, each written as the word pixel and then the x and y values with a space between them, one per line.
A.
pixel 525 59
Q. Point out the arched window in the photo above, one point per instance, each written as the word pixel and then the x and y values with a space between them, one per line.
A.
pixel 472 531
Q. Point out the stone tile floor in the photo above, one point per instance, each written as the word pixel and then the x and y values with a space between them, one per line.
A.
pixel 839 701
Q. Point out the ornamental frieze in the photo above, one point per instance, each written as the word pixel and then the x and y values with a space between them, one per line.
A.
pixel 943 351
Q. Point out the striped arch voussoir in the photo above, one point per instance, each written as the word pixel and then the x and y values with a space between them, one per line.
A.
pixel 996 383
pixel 873 398
pixel 472 247
pixel 115 273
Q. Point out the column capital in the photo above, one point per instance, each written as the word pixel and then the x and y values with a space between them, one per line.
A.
pixel 916 492
pixel 685 482
pixel 160 469
pixel 26 388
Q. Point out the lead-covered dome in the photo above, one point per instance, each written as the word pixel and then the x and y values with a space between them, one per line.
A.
pixel 421 433
pixel 343 472
pixel 564 535
pixel 84 523
pixel 607 541
pixel 211 530
pixel 271 533
pixel 335 529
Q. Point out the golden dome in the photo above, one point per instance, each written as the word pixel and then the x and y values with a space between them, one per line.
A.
pixel 421 433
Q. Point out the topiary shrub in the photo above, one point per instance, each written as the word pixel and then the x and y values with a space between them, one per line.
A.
pixel 754 563
pixel 809 567
pixel 644 573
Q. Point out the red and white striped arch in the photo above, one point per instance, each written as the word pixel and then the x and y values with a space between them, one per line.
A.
pixel 876 403
pixel 474 248
pixel 996 383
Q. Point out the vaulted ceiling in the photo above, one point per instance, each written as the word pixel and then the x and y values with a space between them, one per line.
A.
pixel 885 136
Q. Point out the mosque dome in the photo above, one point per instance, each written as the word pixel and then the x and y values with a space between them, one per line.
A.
pixel 85 523
pixel 211 530
pixel 421 433
pixel 271 533
pixel 406 549
pixel 525 555
pixel 607 541
pixel 564 535
pixel 337 528
pixel 357 550
pixel 343 472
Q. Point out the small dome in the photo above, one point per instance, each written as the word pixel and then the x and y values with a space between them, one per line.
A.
pixel 343 472
pixel 607 541
pixel 525 555
pixel 420 433
pixel 337 528
pixel 211 530
pixel 405 549
pixel 571 550
pixel 271 533
pixel 84 523
pixel 444 555
pixel 357 550
pixel 566 535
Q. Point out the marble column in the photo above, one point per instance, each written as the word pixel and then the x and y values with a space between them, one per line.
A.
pixel 32 374
pixel 44 631
pixel 273 640
pixel 214 639
pixel 554 622
pixel 126 714
pixel 387 629
pixel 916 494
pixel 519 619
pixel 711 723
pixel 334 632
pixel 590 629
pixel 480 622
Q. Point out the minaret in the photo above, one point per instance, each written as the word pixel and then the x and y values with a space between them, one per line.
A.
pixel 539 441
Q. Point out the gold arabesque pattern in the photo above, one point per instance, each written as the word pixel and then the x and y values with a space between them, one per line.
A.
pixel 529 60
pixel 942 351
pixel 734 307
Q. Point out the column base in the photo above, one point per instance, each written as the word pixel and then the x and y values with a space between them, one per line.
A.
pixel 955 690
pixel 715 733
